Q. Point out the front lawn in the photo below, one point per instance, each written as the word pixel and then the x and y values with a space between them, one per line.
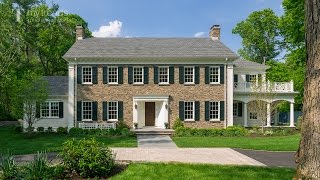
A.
pixel 21 144
pixel 271 143
pixel 201 171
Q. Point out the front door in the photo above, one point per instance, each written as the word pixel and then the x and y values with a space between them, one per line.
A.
pixel 150 113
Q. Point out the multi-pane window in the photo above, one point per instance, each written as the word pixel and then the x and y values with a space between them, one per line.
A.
pixel 87 110
pixel 189 110
pixel 214 110
pixel 163 75
pixel 235 109
pixel 138 75
pixel 86 75
pixel 252 78
pixel 113 110
pixel 253 115
pixel 49 109
pixel 189 75
pixel 214 75
pixel 113 75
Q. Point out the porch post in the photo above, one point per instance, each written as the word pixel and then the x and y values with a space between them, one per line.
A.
pixel 292 114
pixel 245 114
pixel 268 115
pixel 229 95
pixel 71 97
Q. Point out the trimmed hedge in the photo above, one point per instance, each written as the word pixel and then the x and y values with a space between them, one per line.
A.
pixel 101 132
pixel 228 132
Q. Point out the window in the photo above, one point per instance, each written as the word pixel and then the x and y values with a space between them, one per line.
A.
pixel 163 75
pixel 214 110
pixel 86 75
pixel 138 75
pixel 49 110
pixel 214 75
pixel 113 75
pixel 253 115
pixel 113 110
pixel 189 110
pixel 252 78
pixel 86 110
pixel 189 75
pixel 235 109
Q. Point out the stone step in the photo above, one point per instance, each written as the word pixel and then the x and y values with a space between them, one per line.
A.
pixel 153 131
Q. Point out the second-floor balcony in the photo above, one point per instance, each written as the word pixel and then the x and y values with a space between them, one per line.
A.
pixel 280 87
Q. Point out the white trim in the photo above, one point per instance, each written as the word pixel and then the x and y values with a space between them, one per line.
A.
pixel 218 119
pixel 117 114
pixel 91 74
pixel 219 74
pixel 82 119
pixel 193 110
pixel 109 74
pixel 133 75
pixel 193 75
pixel 50 109
pixel 168 75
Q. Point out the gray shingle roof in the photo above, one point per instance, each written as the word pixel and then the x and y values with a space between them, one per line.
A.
pixel 148 48
pixel 57 85
pixel 241 63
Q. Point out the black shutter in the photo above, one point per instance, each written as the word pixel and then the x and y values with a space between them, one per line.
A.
pixel 240 109
pixel 235 78
pixel 181 75
pixel 146 75
pixel 105 111
pixel 120 110
pixel 197 110
pixel 94 110
pixel 60 109
pixel 155 77
pixel 221 110
pixel 79 111
pixel 37 110
pixel 120 75
pixel 181 110
pixel 79 74
pixel 207 111
pixel 94 75
pixel 247 77
pixel 130 75
pixel 105 75
pixel 207 81
pixel 171 74
pixel 221 74
pixel 197 74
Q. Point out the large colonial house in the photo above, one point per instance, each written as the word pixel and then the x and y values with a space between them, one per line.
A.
pixel 154 81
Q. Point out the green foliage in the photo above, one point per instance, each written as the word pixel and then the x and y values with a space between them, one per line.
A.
pixel 121 124
pixel 300 118
pixel 260 36
pixel 87 157
pixel 49 130
pixel 40 129
pixel 17 129
pixel 62 130
pixel 228 132
pixel 177 123
pixel 38 168
pixel 101 132
pixel 8 167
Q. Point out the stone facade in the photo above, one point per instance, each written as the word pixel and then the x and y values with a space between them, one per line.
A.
pixel 177 92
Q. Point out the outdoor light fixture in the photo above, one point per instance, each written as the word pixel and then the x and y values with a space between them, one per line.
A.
pixel 166 106
pixel 135 106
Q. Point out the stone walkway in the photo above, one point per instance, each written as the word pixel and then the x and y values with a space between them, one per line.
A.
pixel 185 155
pixel 155 141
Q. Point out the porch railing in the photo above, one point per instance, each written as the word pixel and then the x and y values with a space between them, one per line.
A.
pixel 267 87
pixel 95 125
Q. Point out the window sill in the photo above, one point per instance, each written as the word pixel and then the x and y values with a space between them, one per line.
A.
pixel 50 118
pixel 164 84
pixel 87 84
pixel 214 84
pixel 112 120
pixel 138 84
pixel 87 120
pixel 115 84
pixel 189 84
pixel 189 120
pixel 214 120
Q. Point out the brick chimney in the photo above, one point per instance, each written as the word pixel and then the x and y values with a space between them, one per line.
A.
pixel 215 32
pixel 79 32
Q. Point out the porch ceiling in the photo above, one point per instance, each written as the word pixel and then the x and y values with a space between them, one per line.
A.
pixel 151 98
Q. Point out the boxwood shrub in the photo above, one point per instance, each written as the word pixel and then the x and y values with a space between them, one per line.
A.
pixel 228 132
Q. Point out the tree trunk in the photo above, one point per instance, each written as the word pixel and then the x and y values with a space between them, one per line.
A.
pixel 308 154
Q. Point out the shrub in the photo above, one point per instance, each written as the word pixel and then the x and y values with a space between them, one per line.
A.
pixel 18 129
pixel 57 172
pixel 177 123
pixel 299 123
pixel 75 131
pixel 125 132
pixel 121 125
pixel 87 157
pixel 40 129
pixel 49 129
pixel 235 131
pixel 230 131
pixel 38 168
pixel 62 130
pixel 8 167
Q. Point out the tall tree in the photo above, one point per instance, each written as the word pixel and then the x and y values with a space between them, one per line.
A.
pixel 308 154
pixel 260 36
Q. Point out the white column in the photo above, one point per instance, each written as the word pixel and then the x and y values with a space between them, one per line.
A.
pixel 292 114
pixel 245 114
pixel 229 95
pixel 71 96
pixel 268 115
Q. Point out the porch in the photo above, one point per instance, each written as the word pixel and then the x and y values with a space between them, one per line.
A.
pixel 278 87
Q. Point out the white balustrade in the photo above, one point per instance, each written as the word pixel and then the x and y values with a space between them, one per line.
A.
pixel 274 87
pixel 95 125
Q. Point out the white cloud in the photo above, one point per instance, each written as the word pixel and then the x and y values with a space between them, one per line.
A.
pixel 199 34
pixel 111 30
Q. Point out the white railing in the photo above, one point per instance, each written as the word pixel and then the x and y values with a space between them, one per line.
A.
pixel 95 125
pixel 268 86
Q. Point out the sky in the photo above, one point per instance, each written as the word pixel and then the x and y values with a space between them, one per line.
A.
pixel 166 18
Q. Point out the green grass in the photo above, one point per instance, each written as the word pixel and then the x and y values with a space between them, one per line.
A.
pixel 201 171
pixel 22 144
pixel 271 143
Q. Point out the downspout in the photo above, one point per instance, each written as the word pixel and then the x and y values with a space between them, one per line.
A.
pixel 75 93
pixel 225 94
